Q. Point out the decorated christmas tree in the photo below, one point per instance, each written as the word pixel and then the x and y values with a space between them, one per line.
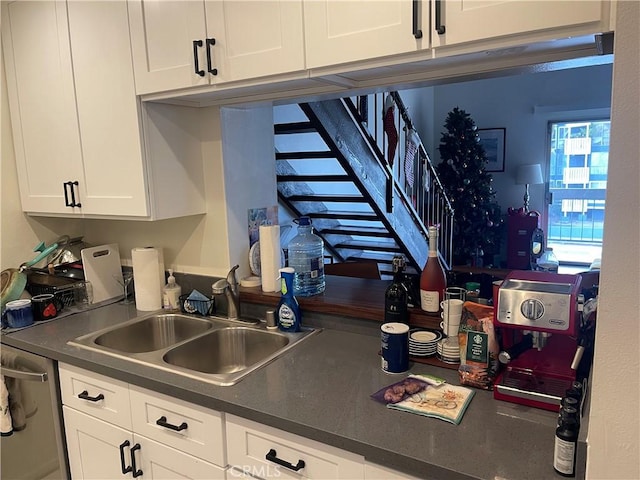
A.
pixel 462 171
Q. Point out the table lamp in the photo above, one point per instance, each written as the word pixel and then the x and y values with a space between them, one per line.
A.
pixel 528 175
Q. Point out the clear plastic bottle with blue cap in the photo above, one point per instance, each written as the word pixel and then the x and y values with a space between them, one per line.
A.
pixel 306 257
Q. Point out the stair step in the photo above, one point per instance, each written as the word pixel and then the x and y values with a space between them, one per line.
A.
pixel 328 198
pixel 331 215
pixel 293 128
pixel 304 155
pixel 370 246
pixel 380 258
pixel 363 231
pixel 314 178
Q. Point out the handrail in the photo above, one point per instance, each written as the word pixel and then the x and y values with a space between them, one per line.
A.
pixel 428 199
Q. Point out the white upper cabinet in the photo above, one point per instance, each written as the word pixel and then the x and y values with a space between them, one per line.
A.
pixel 463 21
pixel 37 56
pixel 83 141
pixel 341 31
pixel 113 178
pixel 181 44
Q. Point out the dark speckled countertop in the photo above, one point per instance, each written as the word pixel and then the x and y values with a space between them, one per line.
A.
pixel 320 389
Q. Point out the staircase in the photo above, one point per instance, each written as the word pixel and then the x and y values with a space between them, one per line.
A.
pixel 330 167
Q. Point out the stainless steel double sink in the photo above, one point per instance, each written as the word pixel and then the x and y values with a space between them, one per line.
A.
pixel 211 349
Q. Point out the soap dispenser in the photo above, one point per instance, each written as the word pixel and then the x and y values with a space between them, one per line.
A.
pixel 171 294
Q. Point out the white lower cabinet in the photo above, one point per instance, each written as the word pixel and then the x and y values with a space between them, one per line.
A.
pixel 165 438
pixel 266 452
pixel 117 430
pixel 378 472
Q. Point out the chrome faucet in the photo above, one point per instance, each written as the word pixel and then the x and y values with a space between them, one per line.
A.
pixel 229 288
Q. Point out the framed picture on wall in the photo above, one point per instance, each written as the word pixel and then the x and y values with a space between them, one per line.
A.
pixel 492 139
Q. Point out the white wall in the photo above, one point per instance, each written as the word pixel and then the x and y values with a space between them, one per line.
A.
pixel 614 423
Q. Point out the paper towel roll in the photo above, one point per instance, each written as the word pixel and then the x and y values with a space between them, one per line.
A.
pixel 148 277
pixel 270 255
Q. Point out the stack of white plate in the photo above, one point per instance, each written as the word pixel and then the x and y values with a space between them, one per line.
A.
pixel 449 350
pixel 422 343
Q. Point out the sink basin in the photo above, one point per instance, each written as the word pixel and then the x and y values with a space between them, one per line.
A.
pixel 227 350
pixel 212 349
pixel 152 333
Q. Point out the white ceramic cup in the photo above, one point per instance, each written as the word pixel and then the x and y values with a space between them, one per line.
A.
pixel 450 329
pixel 451 307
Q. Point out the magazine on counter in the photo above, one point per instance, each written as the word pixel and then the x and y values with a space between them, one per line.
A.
pixel 433 399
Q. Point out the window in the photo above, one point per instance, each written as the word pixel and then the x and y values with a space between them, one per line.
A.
pixel 578 160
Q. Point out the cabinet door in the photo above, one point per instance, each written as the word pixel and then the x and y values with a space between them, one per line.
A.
pixel 378 472
pixel 113 178
pixel 255 38
pixel 162 36
pixel 339 31
pixel 96 395
pixel 179 424
pixel 158 461
pixel 37 56
pixel 266 452
pixel 467 21
pixel 94 446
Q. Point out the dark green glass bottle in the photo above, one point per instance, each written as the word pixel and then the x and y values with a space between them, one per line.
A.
pixel 396 297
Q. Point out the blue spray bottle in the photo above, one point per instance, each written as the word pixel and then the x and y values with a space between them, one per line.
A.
pixel 289 314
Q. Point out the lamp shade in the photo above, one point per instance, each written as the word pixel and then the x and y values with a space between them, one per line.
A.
pixel 529 174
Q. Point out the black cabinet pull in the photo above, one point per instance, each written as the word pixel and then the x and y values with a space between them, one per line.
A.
pixel 162 421
pixel 210 69
pixel 417 32
pixel 439 27
pixel 66 193
pixel 136 471
pixel 85 396
pixel 196 44
pixel 73 195
pixel 271 456
pixel 125 469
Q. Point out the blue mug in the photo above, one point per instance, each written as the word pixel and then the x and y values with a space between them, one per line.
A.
pixel 18 314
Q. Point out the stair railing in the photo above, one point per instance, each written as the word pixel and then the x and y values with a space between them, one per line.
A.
pixel 426 196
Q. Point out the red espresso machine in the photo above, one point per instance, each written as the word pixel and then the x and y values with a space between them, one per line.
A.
pixel 539 315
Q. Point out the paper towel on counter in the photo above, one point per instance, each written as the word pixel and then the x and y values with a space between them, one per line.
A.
pixel 270 256
pixel 148 277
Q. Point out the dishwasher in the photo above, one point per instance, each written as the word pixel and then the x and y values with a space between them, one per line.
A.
pixel 37 450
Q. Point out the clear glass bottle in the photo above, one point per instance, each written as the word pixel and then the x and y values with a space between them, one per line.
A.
pixel 396 296
pixel 433 280
pixel 306 256
pixel 548 261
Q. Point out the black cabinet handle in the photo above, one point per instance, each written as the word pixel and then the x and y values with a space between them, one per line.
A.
pixel 66 193
pixel 417 32
pixel 210 69
pixel 196 44
pixel 439 27
pixel 125 469
pixel 162 421
pixel 271 456
pixel 136 471
pixel 85 396
pixel 73 195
